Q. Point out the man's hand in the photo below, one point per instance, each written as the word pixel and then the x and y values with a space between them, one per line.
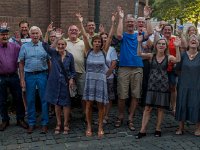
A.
pixel 79 16
pixel 120 12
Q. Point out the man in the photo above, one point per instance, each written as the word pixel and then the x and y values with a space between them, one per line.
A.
pixel 33 72
pixel 24 35
pixel 90 29
pixel 9 79
pixel 130 66
pixel 76 47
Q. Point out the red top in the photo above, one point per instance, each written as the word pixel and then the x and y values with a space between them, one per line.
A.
pixel 172 51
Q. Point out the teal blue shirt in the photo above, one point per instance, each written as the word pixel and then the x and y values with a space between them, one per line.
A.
pixel 128 51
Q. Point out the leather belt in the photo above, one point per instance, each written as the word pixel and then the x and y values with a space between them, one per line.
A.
pixel 37 72
pixel 8 75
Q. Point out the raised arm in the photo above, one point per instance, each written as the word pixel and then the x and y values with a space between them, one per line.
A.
pixel 120 23
pixel 147 15
pixel 111 32
pixel 139 51
pixel 49 29
pixel 85 38
pixel 59 35
pixel 177 44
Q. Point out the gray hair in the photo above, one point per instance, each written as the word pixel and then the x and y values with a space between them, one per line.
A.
pixel 35 28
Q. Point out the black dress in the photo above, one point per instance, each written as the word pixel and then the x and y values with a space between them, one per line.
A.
pixel 158 84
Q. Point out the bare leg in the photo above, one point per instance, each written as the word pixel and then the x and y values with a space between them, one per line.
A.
pixel 145 118
pixel 133 106
pixel 66 111
pixel 107 109
pixel 173 98
pixel 100 115
pixel 88 112
pixel 159 119
pixel 121 107
pixel 58 114
pixel 181 128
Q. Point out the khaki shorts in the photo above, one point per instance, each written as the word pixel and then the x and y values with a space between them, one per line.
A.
pixel 80 82
pixel 129 77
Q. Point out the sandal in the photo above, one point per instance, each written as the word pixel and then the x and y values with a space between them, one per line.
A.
pixel 179 132
pixel 157 133
pixel 57 129
pixel 88 133
pixel 66 129
pixel 118 122
pixel 100 133
pixel 130 125
pixel 197 133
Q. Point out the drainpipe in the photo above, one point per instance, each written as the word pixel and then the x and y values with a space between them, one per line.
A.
pixel 136 7
pixel 97 14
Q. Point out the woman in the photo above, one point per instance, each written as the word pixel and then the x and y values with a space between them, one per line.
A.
pixel 111 61
pixel 188 99
pixel 158 83
pixel 57 90
pixel 95 83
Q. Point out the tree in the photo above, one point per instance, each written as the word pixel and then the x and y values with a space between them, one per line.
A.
pixel 171 10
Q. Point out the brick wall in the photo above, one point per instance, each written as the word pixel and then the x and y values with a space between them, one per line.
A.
pixel 61 12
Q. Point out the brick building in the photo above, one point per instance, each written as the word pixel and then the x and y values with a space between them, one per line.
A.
pixel 61 12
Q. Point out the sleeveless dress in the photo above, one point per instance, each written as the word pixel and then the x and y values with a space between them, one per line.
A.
pixel 95 82
pixel 158 84
pixel 188 93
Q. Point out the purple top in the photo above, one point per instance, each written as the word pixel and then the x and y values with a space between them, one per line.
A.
pixel 8 58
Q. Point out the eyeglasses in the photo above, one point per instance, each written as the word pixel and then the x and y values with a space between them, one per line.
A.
pixel 73 30
pixel 161 44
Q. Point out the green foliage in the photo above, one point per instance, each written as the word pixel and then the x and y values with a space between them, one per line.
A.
pixel 171 10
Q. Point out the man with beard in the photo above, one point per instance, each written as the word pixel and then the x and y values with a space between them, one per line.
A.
pixel 9 79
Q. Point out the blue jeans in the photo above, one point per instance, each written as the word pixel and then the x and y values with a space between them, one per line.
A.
pixel 12 82
pixel 32 81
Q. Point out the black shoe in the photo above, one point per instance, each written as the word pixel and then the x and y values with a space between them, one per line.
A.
pixel 157 133
pixel 44 130
pixel 22 124
pixel 4 125
pixel 30 129
pixel 140 135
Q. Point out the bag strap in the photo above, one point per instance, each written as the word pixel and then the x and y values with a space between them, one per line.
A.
pixel 104 54
pixel 63 69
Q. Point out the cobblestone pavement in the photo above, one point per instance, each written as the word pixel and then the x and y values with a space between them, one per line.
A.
pixel 115 138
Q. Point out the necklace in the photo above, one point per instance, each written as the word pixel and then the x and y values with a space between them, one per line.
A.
pixel 192 56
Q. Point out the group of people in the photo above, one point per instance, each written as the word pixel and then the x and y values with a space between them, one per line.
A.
pixel 151 60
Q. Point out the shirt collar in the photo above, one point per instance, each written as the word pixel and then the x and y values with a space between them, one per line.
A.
pixel 77 40
pixel 32 44
pixel 3 45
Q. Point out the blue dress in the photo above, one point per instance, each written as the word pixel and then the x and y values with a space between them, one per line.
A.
pixel 96 83
pixel 188 93
pixel 57 90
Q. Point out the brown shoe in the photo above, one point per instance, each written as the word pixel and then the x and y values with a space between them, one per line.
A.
pixel 44 130
pixel 4 125
pixel 22 124
pixel 30 129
